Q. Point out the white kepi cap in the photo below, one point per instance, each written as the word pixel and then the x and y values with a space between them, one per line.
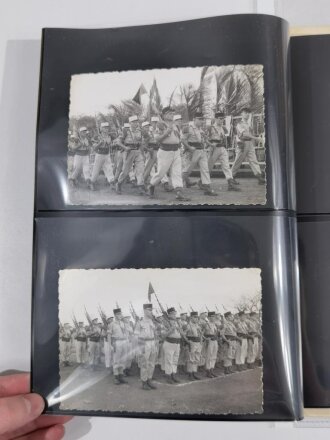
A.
pixel 133 118
pixel 145 123
pixel 154 119
pixel 82 129
pixel 104 124
pixel 177 117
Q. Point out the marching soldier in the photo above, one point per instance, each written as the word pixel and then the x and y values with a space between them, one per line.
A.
pixel 193 138
pixel 131 142
pixel 145 329
pixel 171 346
pixel 102 159
pixel 81 343
pixel 117 335
pixel 129 345
pixel 194 336
pixel 94 337
pixel 242 345
pixel 217 137
pixel 168 155
pixel 210 332
pixel 108 350
pixel 81 157
pixel 65 344
pixel 72 145
pixel 252 349
pixel 258 341
pixel 245 147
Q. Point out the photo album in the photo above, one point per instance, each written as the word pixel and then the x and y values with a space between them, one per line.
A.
pixel 167 222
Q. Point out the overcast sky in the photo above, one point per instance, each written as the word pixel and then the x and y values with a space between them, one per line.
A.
pixel 174 287
pixel 92 93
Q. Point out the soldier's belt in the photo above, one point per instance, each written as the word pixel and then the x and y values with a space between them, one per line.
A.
pixel 102 150
pixel 173 340
pixel 196 145
pixel 217 143
pixel 242 335
pixel 82 152
pixel 194 338
pixel 94 339
pixel 153 146
pixel 71 153
pixel 212 337
pixel 81 339
pixel 119 339
pixel 133 146
pixel 230 337
pixel 169 147
pixel 66 339
pixel 146 339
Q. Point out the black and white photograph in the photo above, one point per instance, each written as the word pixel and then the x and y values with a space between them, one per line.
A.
pixel 180 136
pixel 160 341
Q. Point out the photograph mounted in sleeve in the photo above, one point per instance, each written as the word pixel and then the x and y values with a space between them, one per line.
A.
pixel 160 341
pixel 191 136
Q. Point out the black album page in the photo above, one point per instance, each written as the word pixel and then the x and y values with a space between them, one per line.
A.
pixel 165 280
pixel 311 95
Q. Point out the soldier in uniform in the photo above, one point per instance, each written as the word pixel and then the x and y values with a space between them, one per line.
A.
pixel 171 346
pixel 65 343
pixel 102 159
pixel 132 143
pixel 72 145
pixel 118 338
pixel 81 157
pixel 210 332
pixel 94 337
pixel 108 350
pixel 242 344
pixel 230 338
pixel 258 341
pixel 81 343
pixel 217 137
pixel 145 329
pixel 202 323
pixel 245 147
pixel 193 138
pixel 194 336
pixel 252 349
pixel 168 155
pixel 129 346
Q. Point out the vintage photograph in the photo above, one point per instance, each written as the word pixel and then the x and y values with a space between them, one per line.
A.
pixel 161 341
pixel 180 136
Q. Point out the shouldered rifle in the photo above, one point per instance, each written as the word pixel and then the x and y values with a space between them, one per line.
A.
pixel 75 322
pixel 133 313
pixel 103 316
pixel 89 319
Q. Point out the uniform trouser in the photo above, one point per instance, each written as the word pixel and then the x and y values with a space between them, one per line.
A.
pixel 70 166
pixel 80 351
pixel 248 153
pixel 65 350
pixel 80 164
pixel 241 352
pixel 252 350
pixel 259 353
pixel 108 354
pixel 133 157
pixel 118 163
pixel 148 358
pixel 220 154
pixel 203 354
pixel 194 356
pixel 211 354
pixel 94 352
pixel 171 357
pixel 198 158
pixel 168 161
pixel 129 355
pixel 119 356
pixel 151 162
pixel 229 353
pixel 102 162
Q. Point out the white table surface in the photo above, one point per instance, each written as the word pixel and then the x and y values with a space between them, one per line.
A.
pixel 21 22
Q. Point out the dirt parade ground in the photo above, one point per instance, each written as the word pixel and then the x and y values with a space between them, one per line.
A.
pixel 251 193
pixel 236 393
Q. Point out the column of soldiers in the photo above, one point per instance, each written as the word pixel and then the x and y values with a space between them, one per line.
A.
pixel 164 150
pixel 192 345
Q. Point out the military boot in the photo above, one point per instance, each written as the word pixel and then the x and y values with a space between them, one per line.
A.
pixel 145 386
pixel 151 385
pixel 232 186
